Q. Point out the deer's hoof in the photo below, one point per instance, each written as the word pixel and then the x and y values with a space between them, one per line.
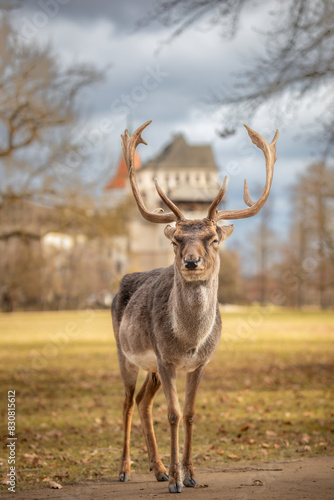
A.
pixel 124 476
pixel 162 477
pixel 189 482
pixel 175 488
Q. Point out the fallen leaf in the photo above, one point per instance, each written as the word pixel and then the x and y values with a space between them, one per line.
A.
pixel 305 439
pixel 33 459
pixel 251 441
pixel 271 433
pixel 233 457
pixel 224 440
pixel 54 433
pixel 257 482
pixel 54 485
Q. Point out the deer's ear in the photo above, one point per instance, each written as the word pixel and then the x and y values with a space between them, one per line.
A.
pixel 169 231
pixel 224 231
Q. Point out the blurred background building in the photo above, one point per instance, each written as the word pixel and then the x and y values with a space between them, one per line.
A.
pixel 188 174
pixel 64 258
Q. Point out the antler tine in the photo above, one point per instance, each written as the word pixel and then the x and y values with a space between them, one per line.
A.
pixel 212 212
pixel 167 200
pixel 269 151
pixel 247 199
pixel 129 145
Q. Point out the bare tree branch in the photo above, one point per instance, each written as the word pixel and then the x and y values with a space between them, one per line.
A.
pixel 38 106
pixel 298 61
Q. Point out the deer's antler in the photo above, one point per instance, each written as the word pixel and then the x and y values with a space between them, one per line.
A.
pixel 269 151
pixel 129 145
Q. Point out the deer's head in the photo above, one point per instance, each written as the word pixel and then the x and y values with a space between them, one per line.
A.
pixel 196 241
pixel 196 244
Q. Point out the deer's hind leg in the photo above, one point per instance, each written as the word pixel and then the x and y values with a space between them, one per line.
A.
pixel 129 373
pixel 144 400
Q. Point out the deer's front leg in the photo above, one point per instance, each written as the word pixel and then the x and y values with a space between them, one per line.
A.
pixel 167 375
pixel 192 383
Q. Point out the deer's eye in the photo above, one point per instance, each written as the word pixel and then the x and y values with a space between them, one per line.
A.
pixel 174 244
pixel 215 241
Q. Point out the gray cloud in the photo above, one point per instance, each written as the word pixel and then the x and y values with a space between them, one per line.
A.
pixel 124 15
pixel 186 71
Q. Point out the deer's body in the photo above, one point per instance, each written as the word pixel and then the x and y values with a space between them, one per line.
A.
pixel 161 317
pixel 167 320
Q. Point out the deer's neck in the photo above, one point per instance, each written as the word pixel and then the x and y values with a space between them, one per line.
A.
pixel 193 308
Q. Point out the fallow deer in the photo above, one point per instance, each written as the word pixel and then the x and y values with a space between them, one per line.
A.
pixel 168 319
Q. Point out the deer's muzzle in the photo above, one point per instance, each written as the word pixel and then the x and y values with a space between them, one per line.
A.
pixel 191 264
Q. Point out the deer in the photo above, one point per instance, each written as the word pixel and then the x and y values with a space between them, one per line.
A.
pixel 168 320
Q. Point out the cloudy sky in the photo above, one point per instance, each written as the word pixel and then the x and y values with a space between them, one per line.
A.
pixel 148 79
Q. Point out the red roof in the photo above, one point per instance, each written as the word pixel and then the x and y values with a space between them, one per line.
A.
pixel 119 180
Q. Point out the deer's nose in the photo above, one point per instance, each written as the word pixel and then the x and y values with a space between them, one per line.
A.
pixel 191 263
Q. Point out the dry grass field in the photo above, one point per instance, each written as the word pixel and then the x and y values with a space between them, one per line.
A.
pixel 267 394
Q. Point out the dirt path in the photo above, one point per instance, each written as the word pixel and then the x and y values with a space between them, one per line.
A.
pixel 309 478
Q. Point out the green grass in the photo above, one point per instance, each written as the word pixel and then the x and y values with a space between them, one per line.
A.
pixel 267 394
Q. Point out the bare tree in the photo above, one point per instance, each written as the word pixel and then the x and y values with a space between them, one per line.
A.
pixel 301 235
pixel 38 109
pixel 182 14
pixel 230 288
pixel 264 244
pixel 39 115
pixel 309 268
pixel 298 61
